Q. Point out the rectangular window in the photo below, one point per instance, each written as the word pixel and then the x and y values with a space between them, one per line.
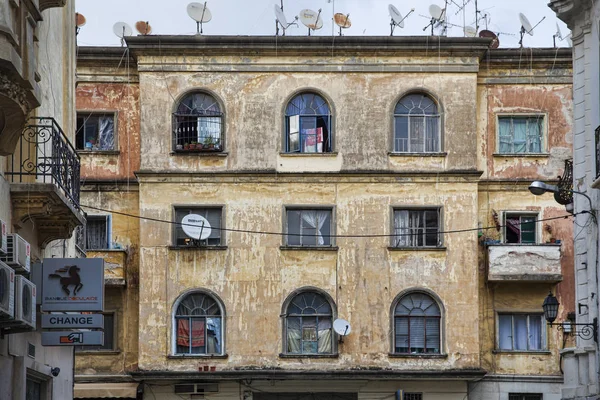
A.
pixel 33 389
pixel 525 396
pixel 97 232
pixel 417 134
pixel 95 132
pixel 109 336
pixel 308 134
pixel 520 134
pixel 521 332
pixel 413 396
pixel 309 227
pixel 210 215
pixel 520 228
pixel 417 228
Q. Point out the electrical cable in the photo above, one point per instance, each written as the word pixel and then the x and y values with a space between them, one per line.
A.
pixel 323 235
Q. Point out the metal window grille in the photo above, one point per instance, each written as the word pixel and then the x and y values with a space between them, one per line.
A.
pixel 417 127
pixel 198 124
pixel 309 227
pixel 519 228
pixel 96 232
pixel 413 396
pixel 417 321
pixel 417 228
pixel 109 336
pixel 525 396
pixel 308 124
pixel 214 217
pixel 523 332
pixel 520 134
pixel 309 325
pixel 198 325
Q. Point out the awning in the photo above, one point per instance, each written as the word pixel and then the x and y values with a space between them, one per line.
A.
pixel 105 390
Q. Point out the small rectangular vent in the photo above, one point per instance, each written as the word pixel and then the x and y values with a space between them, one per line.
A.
pixel 30 350
pixel 196 388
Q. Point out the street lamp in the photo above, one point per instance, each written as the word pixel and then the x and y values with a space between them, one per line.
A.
pixel 584 331
pixel 538 188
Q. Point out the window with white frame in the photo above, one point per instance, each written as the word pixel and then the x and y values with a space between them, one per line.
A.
pixel 308 124
pixel 97 232
pixel 518 134
pixel 308 227
pixel 308 324
pixel 109 335
pixel 199 324
pixel 417 324
pixel 95 131
pixel 214 217
pixel 417 228
pixel 520 228
pixel 521 332
pixel 417 127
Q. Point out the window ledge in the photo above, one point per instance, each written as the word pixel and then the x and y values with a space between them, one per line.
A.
pixel 527 155
pixel 97 352
pixel 284 355
pixel 107 250
pixel 521 352
pixel 102 152
pixel 197 247
pixel 402 355
pixel 407 154
pixel 315 248
pixel 198 356
pixel 524 244
pixel 200 153
pixel 441 248
pixel 329 154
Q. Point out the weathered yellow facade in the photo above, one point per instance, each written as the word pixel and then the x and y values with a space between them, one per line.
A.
pixel 362 180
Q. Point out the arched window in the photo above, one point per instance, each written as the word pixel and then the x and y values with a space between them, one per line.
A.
pixel 417 324
pixel 199 325
pixel 308 324
pixel 416 125
pixel 308 124
pixel 198 124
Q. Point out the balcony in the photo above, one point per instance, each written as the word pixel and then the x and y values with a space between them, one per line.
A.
pixel 524 263
pixel 44 181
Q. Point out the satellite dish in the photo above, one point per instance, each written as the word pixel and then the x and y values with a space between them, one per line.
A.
pixel 469 31
pixel 143 27
pixel 436 12
pixel 121 29
pixel 489 34
pixel 311 19
pixel 280 16
pixel 397 19
pixel 200 13
pixel 525 24
pixel 343 21
pixel 342 327
pixel 80 20
pixel 196 226
pixel 558 32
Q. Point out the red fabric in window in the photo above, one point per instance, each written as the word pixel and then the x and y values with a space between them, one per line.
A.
pixel 183 333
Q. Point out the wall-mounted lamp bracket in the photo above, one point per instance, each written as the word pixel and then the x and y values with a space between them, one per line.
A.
pixel 584 331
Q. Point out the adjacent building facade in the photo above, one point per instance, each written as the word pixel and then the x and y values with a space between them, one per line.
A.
pixel 344 219
pixel 39 186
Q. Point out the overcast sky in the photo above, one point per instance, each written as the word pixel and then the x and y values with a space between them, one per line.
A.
pixel 368 17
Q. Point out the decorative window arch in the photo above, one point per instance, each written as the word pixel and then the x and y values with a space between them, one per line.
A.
pixel 198 324
pixel 308 124
pixel 198 124
pixel 417 124
pixel 308 318
pixel 417 324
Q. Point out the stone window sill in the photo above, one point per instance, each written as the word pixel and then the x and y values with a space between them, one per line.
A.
pixel 524 352
pixel 100 152
pixel 407 154
pixel 97 352
pixel 197 247
pixel 310 248
pixel 330 154
pixel 441 248
pixel 199 153
pixel 198 356
pixel 520 155
pixel 429 356
pixel 283 355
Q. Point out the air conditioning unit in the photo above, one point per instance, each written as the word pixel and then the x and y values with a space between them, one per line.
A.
pixel 3 238
pixel 7 292
pixel 18 254
pixel 25 297
pixel 196 388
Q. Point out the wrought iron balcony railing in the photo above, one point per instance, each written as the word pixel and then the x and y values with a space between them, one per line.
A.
pixel 45 155
pixel 597 152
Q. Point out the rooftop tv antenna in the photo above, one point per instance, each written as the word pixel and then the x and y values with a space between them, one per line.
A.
pixel 526 27
pixel 311 19
pixel 79 22
pixel 396 18
pixel 121 29
pixel 438 18
pixel 281 20
pixel 342 328
pixel 143 28
pixel 200 13
pixel 343 21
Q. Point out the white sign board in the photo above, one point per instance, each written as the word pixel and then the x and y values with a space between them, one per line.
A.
pixel 73 284
pixel 196 226
pixel 72 338
pixel 72 321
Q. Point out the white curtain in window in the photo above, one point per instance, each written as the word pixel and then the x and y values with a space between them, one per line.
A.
pixel 505 332
pixel 106 133
pixel 401 225
pixel 535 332
pixel 293 335
pixel 520 135
pixel 520 332
pixel 417 134
pixel 432 134
pixel 209 130
pixel 505 135
pixel 534 138
pixel 316 219
pixel 324 332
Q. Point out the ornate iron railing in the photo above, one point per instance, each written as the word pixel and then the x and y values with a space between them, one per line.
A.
pixel 597 152
pixel 565 183
pixel 45 155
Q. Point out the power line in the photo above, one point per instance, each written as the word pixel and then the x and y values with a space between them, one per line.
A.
pixel 325 235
